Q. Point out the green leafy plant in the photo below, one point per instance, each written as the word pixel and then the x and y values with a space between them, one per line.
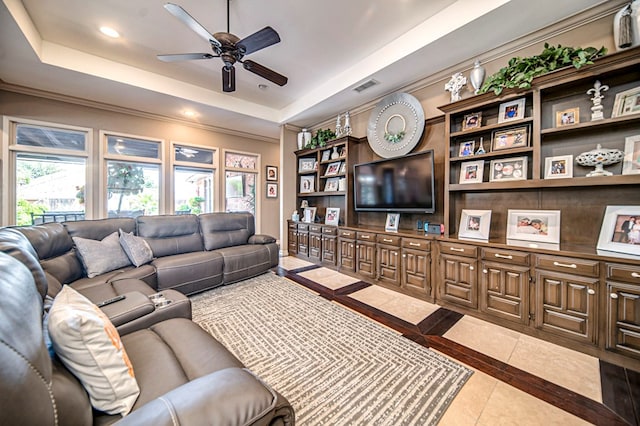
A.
pixel 124 179
pixel 519 72
pixel 320 138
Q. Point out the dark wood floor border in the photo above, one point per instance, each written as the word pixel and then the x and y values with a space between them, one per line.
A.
pixel 620 389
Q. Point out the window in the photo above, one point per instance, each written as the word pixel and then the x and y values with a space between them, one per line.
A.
pixel 46 171
pixel 241 176
pixel 193 179
pixel 132 175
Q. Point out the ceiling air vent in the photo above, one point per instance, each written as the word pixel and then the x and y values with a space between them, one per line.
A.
pixel 366 85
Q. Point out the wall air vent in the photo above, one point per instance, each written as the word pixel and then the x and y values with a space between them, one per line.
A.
pixel 366 85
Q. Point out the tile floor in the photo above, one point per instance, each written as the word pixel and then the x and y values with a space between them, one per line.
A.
pixel 484 400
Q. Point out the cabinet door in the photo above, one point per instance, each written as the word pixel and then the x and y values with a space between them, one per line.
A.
pixel 315 246
pixel 504 291
pixel 329 252
pixel 347 250
pixel 303 242
pixel 366 259
pixel 566 305
pixel 292 239
pixel 389 264
pixel 416 271
pixel 459 282
pixel 623 318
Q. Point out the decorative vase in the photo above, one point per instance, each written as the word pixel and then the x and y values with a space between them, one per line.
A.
pixel 335 153
pixel 477 76
pixel 346 130
pixel 600 157
pixel 304 137
pixel 626 26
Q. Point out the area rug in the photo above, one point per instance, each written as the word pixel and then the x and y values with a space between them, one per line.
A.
pixel 335 366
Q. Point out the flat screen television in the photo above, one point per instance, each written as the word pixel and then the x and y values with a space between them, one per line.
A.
pixel 401 184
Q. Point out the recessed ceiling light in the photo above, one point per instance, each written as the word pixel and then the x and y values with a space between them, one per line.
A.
pixel 189 113
pixel 262 86
pixel 109 32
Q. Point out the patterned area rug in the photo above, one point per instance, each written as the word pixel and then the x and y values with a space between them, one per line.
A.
pixel 335 366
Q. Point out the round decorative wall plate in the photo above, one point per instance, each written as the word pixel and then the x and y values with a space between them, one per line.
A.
pixel 395 125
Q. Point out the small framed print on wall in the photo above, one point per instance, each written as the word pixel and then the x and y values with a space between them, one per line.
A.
pixel 272 173
pixel 272 190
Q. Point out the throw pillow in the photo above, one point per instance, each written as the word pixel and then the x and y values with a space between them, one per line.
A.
pixel 103 256
pixel 136 248
pixel 90 347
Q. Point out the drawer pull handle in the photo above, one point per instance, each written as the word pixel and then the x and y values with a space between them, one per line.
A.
pixel 404 255
pixel 414 244
pixel 565 265
pixel 346 234
pixel 503 256
pixel 394 253
pixel 484 271
pixel 613 295
pixel 386 240
pixel 591 291
pixel 635 275
pixel 471 268
pixel 456 249
pixel 364 237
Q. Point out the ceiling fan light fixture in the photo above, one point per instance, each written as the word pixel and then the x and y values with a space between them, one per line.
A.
pixel 109 32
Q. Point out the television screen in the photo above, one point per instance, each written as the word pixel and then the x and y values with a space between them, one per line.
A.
pixel 402 184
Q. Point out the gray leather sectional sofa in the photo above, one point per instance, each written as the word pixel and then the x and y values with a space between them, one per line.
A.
pixel 184 375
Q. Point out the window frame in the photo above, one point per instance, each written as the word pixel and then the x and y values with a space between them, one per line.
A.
pixel 214 167
pixel 257 171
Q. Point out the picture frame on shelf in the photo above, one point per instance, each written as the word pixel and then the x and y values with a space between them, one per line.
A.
pixel 631 162
pixel 310 214
pixel 467 148
pixel 272 190
pixel 306 164
pixel 620 232
pixel 391 224
pixel 472 121
pixel 568 117
pixel 474 225
pixel 332 185
pixel 516 137
pixel 343 168
pixel 471 172
pixel 558 167
pixel 272 173
pixel 512 110
pixel 507 169
pixel 333 168
pixel 332 216
pixel 534 228
pixel 326 155
pixel 307 184
pixel 626 103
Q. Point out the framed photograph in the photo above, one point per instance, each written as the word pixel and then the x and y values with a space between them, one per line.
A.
pixel 391 225
pixel 333 216
pixel 333 168
pixel 474 225
pixel 272 173
pixel 466 148
pixel 471 171
pixel 631 165
pixel 332 184
pixel 513 110
pixel 508 169
pixel 558 167
pixel 307 184
pixel 472 121
pixel 567 117
pixel 343 168
pixel 620 232
pixel 626 103
pixel 510 138
pixel 306 164
pixel 272 190
pixel 326 155
pixel 309 214
pixel 534 228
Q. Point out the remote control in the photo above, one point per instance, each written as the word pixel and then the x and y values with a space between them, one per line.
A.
pixel 110 301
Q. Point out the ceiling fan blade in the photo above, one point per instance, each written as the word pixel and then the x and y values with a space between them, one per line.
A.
pixel 185 57
pixel 258 40
pixel 265 72
pixel 228 79
pixel 190 22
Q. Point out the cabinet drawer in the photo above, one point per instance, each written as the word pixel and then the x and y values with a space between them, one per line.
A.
pixel 366 236
pixel 416 244
pixel 458 249
pixel 391 240
pixel 625 273
pixel 302 227
pixel 505 256
pixel 293 225
pixel 315 228
pixel 346 233
pixel 329 230
pixel 570 265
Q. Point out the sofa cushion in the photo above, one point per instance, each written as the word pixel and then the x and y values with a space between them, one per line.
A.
pixel 16 244
pixel 98 291
pixel 136 248
pixel 170 234
pixel 189 273
pixel 242 262
pixel 226 229
pixel 99 228
pixel 90 347
pixel 103 256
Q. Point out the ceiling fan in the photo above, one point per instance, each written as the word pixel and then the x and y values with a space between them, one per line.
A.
pixel 228 47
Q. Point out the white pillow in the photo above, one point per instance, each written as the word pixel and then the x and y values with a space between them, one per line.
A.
pixel 103 256
pixel 90 347
pixel 136 248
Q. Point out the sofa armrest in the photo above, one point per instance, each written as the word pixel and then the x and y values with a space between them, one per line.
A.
pixel 261 239
pixel 134 305
pixel 226 397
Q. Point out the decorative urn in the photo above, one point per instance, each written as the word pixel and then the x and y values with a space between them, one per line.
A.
pixel 599 158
